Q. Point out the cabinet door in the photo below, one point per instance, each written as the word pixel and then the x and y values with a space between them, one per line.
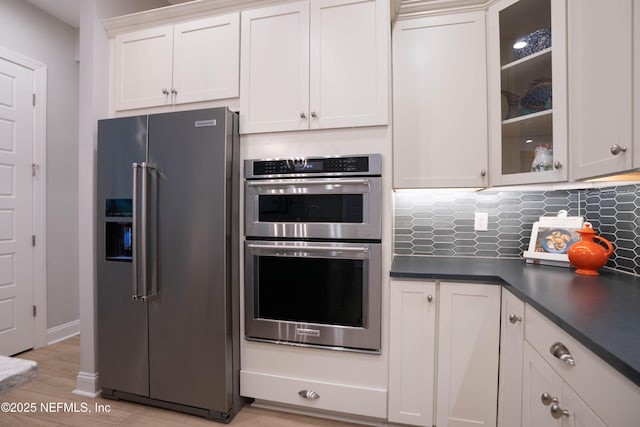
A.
pixel 527 66
pixel 206 59
pixel 349 60
pixel 412 352
pixel 468 346
pixel 511 348
pixel 142 68
pixel 601 110
pixel 580 414
pixel 440 102
pixel 274 80
pixel 538 380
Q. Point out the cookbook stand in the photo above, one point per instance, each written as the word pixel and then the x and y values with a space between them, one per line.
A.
pixel 551 237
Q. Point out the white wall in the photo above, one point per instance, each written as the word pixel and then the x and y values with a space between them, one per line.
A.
pixel 94 84
pixel 30 32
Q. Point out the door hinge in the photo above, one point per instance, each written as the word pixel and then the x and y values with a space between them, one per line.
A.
pixel 33 240
pixel 34 311
pixel 34 169
pixel 33 99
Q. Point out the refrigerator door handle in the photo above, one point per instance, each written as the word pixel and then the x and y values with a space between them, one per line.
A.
pixel 134 247
pixel 145 238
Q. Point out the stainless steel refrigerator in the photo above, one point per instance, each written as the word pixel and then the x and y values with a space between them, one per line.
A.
pixel 168 293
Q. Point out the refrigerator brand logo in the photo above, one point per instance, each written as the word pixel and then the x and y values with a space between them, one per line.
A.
pixel 205 123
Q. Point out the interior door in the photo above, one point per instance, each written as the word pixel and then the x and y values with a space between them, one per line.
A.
pixel 16 209
pixel 189 318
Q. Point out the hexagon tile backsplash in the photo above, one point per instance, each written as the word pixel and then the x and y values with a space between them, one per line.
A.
pixel 440 222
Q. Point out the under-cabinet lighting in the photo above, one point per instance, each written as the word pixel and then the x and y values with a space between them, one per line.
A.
pixel 528 141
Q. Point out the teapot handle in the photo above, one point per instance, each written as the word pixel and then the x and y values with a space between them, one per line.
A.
pixel 606 242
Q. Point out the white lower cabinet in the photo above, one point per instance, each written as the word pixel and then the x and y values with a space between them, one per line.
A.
pixel 585 393
pixel 548 400
pixel 412 341
pixel 511 354
pixel 444 343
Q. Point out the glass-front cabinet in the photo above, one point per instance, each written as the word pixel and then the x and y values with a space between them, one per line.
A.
pixel 527 91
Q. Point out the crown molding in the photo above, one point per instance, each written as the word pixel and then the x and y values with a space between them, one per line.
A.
pixel 415 8
pixel 179 12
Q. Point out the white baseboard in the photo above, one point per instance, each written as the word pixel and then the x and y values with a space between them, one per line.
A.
pixel 87 384
pixel 62 332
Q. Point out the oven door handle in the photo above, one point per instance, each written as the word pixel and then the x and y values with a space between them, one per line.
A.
pixel 309 248
pixel 288 182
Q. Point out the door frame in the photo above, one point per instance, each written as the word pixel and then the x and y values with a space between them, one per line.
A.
pixel 39 189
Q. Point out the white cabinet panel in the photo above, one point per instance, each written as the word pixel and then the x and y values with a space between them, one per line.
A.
pixel 314 64
pixel 538 379
pixel 143 68
pixel 206 59
pixel 601 114
pixel 511 349
pixel 468 347
pixel 174 64
pixel 348 63
pixel 412 343
pixel 275 68
pixel 440 101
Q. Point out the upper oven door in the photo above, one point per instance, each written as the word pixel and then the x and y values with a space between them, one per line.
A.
pixel 324 208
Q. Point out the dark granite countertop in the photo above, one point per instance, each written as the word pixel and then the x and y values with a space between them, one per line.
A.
pixel 602 312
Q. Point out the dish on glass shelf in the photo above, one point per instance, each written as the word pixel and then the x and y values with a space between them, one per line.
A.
pixel 532 43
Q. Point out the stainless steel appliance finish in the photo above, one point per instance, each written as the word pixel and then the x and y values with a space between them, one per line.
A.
pixel 330 198
pixel 313 251
pixel 314 293
pixel 168 274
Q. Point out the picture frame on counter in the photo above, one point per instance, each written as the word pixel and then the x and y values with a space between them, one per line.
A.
pixel 551 237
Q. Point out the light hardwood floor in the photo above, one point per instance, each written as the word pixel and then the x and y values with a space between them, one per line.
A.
pixel 58 365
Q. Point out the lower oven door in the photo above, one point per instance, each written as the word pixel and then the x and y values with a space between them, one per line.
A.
pixel 314 293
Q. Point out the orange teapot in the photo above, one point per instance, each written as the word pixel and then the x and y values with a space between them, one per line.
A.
pixel 587 255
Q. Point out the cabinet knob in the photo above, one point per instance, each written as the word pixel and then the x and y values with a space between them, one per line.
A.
pixel 309 394
pixel 547 399
pixel 165 91
pixel 514 319
pixel 617 149
pixel 303 115
pixel 558 412
pixel 174 91
pixel 429 298
pixel 560 351
pixel 314 114
pixel 557 164
pixel 483 172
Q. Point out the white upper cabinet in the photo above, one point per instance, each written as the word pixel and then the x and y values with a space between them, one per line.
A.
pixel 173 64
pixel 601 82
pixel 440 101
pixel 315 64
pixel 274 89
pixel 526 63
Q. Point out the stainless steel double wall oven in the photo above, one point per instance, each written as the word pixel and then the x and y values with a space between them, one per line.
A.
pixel 313 251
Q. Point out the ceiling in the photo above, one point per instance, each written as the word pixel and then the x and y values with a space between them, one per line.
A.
pixel 68 11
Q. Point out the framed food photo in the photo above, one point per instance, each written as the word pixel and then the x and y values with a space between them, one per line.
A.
pixel 551 238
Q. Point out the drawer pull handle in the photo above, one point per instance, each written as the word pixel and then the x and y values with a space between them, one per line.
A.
pixel 547 399
pixel 309 394
pixel 515 319
pixel 558 412
pixel 561 352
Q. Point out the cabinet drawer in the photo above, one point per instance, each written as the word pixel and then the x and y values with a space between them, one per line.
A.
pixel 350 399
pixel 612 396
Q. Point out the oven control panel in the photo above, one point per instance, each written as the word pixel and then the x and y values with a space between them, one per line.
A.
pixel 369 164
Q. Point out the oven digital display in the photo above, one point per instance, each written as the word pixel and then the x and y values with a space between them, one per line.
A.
pixel 310 290
pixel 332 208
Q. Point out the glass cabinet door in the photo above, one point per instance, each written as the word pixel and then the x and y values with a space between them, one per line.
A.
pixel 527 75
